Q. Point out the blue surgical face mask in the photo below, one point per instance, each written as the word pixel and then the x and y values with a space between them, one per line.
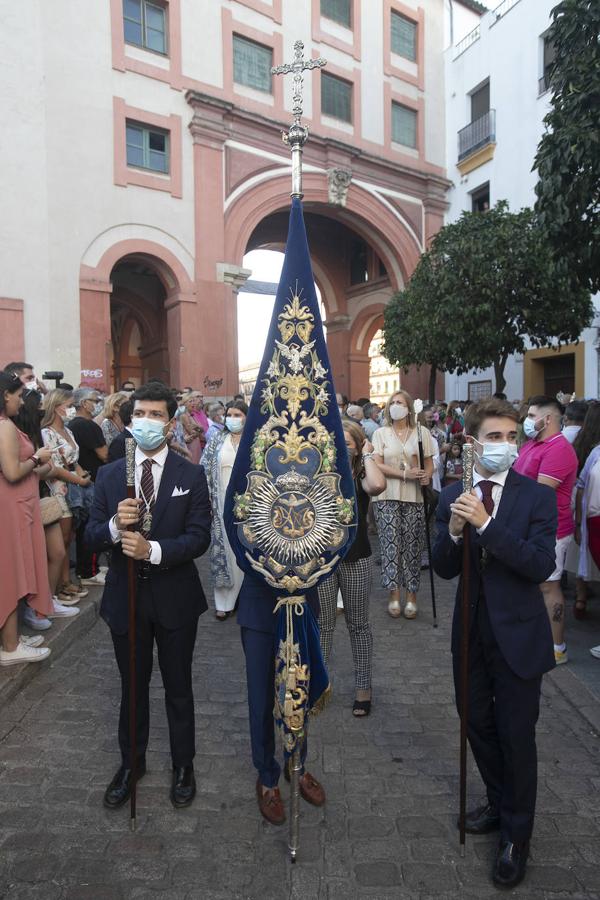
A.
pixel 180 411
pixel 148 433
pixel 529 428
pixel 497 457
pixel 234 424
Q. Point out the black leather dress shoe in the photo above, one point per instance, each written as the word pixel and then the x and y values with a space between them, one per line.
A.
pixel 118 791
pixel 481 820
pixel 510 865
pixel 183 790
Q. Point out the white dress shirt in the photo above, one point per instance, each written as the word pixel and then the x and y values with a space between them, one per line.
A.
pixel 498 479
pixel 157 472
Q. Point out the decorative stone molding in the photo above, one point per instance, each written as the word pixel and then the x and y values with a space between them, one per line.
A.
pixel 234 275
pixel 338 182
pixel 338 323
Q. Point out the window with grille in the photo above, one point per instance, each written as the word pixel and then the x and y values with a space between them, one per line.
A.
pixel 404 125
pixel 336 97
pixel 404 37
pixel 145 24
pixel 147 148
pixel 252 64
pixel 337 10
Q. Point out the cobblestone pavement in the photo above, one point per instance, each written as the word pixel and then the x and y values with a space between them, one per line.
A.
pixel 387 831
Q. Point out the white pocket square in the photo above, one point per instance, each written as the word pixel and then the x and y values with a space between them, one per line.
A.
pixel 179 492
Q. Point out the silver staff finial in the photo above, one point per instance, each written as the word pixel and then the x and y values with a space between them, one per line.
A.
pixel 297 135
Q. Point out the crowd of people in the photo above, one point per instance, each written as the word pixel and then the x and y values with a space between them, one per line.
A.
pixel 67 520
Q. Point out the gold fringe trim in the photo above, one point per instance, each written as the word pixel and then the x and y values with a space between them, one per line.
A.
pixel 322 702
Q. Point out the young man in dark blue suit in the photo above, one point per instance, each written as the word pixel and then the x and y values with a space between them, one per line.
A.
pixel 256 602
pixel 513 527
pixel 173 512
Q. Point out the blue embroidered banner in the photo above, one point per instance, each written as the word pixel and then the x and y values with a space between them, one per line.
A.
pixel 290 509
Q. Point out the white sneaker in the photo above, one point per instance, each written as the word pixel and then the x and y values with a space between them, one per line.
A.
pixel 23 654
pixel 38 623
pixel 97 579
pixel 33 640
pixel 595 651
pixel 61 611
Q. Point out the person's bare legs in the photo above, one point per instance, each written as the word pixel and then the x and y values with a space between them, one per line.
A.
pixel 56 553
pixel 9 635
pixel 555 607
pixel 66 526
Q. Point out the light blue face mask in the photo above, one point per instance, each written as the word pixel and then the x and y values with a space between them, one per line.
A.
pixel 148 433
pixel 529 428
pixel 234 424
pixel 180 411
pixel 497 457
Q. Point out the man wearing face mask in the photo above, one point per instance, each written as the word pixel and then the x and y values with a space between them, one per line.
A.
pixel 513 524
pixel 172 512
pixel 549 458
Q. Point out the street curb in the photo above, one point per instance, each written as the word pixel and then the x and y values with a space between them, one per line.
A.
pixel 578 695
pixel 59 638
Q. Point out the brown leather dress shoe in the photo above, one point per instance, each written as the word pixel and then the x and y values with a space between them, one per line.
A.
pixel 270 804
pixel 312 791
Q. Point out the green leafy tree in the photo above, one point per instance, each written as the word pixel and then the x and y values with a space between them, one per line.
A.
pixel 483 291
pixel 568 155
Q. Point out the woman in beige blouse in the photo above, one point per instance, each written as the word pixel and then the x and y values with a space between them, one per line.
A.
pixel 399 511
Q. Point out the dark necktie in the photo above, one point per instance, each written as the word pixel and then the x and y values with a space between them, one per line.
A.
pixel 486 496
pixel 147 497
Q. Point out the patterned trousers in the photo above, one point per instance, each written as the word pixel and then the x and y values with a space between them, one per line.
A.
pixel 353 579
pixel 401 529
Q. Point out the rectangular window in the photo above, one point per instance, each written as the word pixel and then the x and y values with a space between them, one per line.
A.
pixel 252 64
pixel 336 98
pixel 480 198
pixel 337 10
pixel 549 55
pixel 404 125
pixel 147 148
pixel 480 102
pixel 404 37
pixel 145 24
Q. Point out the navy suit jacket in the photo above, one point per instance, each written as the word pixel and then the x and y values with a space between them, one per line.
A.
pixel 520 549
pixel 180 524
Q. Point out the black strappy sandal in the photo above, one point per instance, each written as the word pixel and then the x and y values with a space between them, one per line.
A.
pixel 361 709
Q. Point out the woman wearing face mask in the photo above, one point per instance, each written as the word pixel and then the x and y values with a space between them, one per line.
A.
pixel 353 575
pixel 218 459
pixel 399 512
pixel 111 423
pixel 23 560
pixel 66 470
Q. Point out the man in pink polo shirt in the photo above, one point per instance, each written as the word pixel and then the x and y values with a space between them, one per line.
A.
pixel 549 458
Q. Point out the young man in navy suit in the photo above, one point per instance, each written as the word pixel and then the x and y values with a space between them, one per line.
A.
pixel 513 527
pixel 173 513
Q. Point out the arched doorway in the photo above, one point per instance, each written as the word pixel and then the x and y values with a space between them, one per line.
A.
pixel 138 318
pixel 350 274
pixel 137 307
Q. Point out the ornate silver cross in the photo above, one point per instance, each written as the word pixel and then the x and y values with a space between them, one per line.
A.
pixel 297 135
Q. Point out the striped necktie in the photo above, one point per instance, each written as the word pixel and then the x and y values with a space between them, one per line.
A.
pixel 147 497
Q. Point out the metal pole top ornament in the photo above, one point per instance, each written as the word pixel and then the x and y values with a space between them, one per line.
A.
pixel 297 134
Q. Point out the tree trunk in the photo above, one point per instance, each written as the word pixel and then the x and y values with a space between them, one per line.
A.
pixel 433 370
pixel 499 365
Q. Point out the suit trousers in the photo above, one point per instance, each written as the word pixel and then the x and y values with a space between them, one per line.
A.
pixel 175 651
pixel 259 650
pixel 503 712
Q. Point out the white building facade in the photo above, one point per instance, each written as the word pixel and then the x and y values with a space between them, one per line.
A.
pixel 496 100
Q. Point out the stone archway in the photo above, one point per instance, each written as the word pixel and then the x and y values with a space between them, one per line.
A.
pixel 365 219
pixel 165 328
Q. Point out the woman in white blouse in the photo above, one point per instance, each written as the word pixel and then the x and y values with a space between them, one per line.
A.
pixel 399 511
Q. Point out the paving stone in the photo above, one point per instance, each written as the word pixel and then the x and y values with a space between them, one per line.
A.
pixel 387 831
pixel 379 873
